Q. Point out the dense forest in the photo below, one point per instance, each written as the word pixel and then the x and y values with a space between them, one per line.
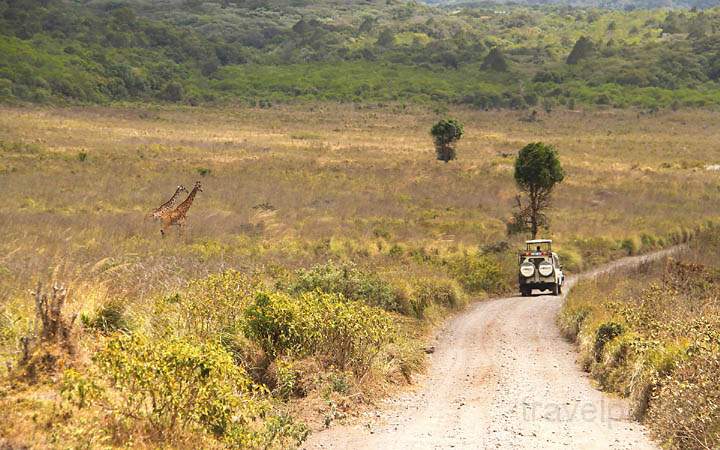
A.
pixel 483 55
pixel 627 5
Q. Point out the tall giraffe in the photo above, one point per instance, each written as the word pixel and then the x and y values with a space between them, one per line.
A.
pixel 177 216
pixel 167 206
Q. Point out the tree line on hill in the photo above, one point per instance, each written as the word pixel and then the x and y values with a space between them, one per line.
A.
pixel 194 52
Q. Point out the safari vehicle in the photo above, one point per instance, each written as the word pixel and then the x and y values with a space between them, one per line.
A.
pixel 540 268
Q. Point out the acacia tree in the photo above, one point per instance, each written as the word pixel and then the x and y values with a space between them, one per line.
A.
pixel 445 134
pixel 537 171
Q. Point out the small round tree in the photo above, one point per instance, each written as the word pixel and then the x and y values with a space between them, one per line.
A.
pixel 445 134
pixel 537 171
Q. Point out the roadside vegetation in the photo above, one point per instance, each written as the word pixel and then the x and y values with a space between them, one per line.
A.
pixel 653 336
pixel 327 242
pixel 262 53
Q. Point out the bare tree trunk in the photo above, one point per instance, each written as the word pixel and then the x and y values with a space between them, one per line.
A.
pixel 534 211
pixel 534 225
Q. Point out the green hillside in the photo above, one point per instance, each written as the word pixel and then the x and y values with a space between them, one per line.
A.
pixel 263 52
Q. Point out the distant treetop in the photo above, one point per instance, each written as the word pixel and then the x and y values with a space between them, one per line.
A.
pixel 495 60
pixel 583 48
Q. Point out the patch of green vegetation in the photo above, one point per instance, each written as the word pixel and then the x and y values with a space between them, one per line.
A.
pixel 351 282
pixel 343 333
pixel 174 386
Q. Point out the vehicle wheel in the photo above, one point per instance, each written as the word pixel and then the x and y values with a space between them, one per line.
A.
pixel 524 292
pixel 556 289
pixel 560 289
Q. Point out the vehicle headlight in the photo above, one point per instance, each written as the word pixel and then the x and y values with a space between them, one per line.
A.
pixel 527 269
pixel 545 269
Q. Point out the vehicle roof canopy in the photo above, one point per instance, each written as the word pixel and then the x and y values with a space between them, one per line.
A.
pixel 539 241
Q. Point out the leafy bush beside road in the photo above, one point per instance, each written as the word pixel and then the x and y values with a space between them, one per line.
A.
pixel 175 387
pixel 344 334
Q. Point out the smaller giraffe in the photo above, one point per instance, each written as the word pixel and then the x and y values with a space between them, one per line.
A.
pixel 177 216
pixel 168 205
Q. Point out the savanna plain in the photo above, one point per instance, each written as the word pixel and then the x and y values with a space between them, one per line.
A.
pixel 326 243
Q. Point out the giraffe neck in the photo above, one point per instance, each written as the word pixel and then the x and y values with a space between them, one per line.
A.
pixel 185 205
pixel 173 199
pixel 165 207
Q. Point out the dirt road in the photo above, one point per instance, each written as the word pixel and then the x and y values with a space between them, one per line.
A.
pixel 501 377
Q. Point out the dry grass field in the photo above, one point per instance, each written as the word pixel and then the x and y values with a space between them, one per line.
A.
pixel 295 186
pixel 287 188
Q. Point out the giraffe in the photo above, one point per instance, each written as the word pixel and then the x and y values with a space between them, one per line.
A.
pixel 167 206
pixel 177 216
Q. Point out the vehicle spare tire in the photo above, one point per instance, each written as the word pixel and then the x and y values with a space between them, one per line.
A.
pixel 545 268
pixel 527 269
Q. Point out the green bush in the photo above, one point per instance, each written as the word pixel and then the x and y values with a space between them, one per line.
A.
pixel 605 333
pixel 340 332
pixel 210 308
pixel 630 245
pixel 5 88
pixel 108 318
pixel 351 282
pixel 478 273
pixel 571 260
pixel 79 390
pixel 429 291
pixel 648 241
pixel 597 250
pixel 175 386
pixel 287 378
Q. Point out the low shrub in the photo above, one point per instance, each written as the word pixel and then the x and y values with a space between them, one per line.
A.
pixel 478 273
pixel 210 308
pixel 78 389
pixel 648 241
pixel 108 318
pixel 352 283
pixel 435 291
pixel 286 378
pixel 571 259
pixel 175 386
pixel 605 333
pixel 597 250
pixel 630 245
pixel 342 333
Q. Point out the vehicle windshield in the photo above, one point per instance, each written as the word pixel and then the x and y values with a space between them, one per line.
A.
pixel 538 247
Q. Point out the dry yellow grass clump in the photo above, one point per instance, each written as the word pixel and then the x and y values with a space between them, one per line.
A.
pixel 290 188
